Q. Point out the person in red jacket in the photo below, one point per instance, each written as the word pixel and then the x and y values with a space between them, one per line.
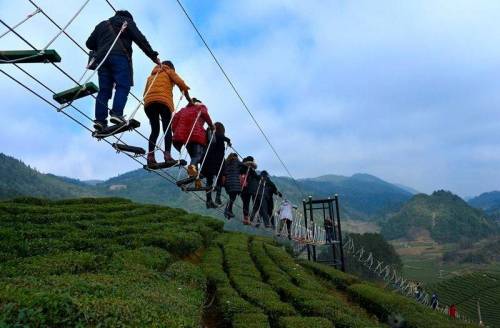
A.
pixel 192 118
pixel 452 311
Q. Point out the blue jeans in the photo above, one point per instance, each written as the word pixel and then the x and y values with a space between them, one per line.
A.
pixel 115 70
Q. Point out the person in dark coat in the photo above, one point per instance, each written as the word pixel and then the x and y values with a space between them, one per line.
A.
pixel 117 68
pixel 328 225
pixel 434 301
pixel 231 178
pixel 264 195
pixel 249 184
pixel 215 158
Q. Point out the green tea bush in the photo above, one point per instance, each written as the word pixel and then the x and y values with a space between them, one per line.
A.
pixel 384 305
pixel 153 258
pixel 254 320
pixel 67 262
pixel 102 262
pixel 188 274
pixel 309 302
pixel 229 302
pixel 338 278
pixel 304 322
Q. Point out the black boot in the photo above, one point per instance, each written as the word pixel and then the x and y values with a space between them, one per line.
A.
pixel 218 201
pixel 210 203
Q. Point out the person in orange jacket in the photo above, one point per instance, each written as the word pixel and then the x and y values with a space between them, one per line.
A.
pixel 159 104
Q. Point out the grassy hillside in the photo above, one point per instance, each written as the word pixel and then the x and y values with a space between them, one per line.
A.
pixel 110 262
pixel 466 291
pixel 18 179
pixel 443 216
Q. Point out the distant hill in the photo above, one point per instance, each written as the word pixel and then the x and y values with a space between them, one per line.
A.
pixel 443 216
pixel 489 202
pixel 18 179
pixel 362 196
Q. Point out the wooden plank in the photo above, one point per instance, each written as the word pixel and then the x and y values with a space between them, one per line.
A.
pixel 29 56
pixel 77 92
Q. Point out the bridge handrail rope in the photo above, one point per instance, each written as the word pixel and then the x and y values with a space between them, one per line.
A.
pixel 184 145
pixel 391 276
pixel 145 94
pixel 206 153
pixel 162 138
pixel 233 87
pixel 124 26
pixel 37 10
pixel 63 31
pixel 220 170
pixel 41 52
pixel 165 176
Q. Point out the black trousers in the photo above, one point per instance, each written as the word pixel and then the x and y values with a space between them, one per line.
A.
pixel 218 188
pixel 288 227
pixel 155 112
pixel 246 198
pixel 261 206
pixel 232 199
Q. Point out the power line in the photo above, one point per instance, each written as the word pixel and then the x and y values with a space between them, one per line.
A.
pixel 238 94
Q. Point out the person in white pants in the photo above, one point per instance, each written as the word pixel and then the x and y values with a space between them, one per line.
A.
pixel 286 217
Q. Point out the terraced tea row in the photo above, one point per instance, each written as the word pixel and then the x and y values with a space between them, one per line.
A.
pixel 465 291
pixel 102 262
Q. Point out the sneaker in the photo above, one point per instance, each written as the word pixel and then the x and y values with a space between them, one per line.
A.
pixel 198 184
pixel 227 214
pixel 246 221
pixel 218 201
pixel 211 204
pixel 167 157
pixel 118 119
pixel 151 160
pixel 100 125
pixel 192 171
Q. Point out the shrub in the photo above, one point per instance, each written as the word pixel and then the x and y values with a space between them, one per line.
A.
pixel 229 302
pixel 188 274
pixel 254 320
pixel 68 262
pixel 304 322
pixel 338 278
pixel 153 258
pixel 310 302
pixel 384 305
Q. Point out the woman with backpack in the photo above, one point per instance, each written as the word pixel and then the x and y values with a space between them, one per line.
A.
pixel 215 158
pixel 249 186
pixel 232 184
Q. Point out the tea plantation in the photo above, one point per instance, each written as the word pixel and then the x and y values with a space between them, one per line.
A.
pixel 112 263
pixel 466 291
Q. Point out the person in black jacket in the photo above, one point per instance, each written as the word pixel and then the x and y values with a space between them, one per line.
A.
pixel 117 67
pixel 215 158
pixel 231 178
pixel 249 184
pixel 263 198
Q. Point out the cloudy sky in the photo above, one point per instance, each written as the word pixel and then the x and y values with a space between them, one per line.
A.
pixel 404 90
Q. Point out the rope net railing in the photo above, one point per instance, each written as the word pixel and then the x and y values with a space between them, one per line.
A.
pixel 394 279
